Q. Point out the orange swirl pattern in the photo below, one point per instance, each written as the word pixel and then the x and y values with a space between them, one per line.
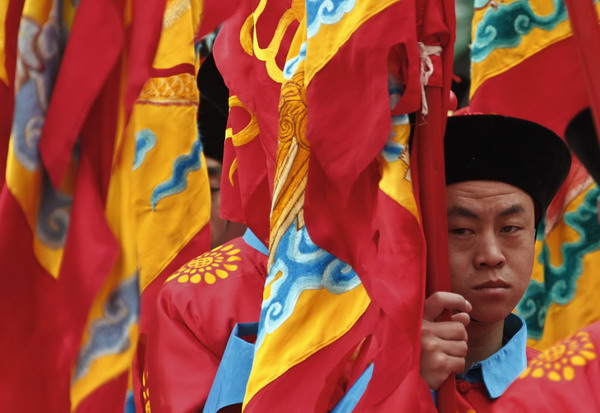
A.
pixel 292 159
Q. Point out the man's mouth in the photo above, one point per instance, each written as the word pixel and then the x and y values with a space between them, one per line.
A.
pixel 492 284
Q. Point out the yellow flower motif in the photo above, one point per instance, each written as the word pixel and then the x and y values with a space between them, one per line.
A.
pixel 209 266
pixel 559 361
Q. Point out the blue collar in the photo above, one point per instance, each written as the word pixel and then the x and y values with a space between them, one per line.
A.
pixel 498 371
pixel 254 242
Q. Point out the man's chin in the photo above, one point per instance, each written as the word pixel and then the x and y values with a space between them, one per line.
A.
pixel 488 318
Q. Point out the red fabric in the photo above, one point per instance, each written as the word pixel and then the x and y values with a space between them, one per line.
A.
pixel 474 396
pixel 586 34
pixel 143 37
pixel 524 90
pixel 214 13
pixel 45 316
pixel 249 199
pixel 192 326
pixel 580 394
pixel 345 212
pixel 198 244
pixel 95 43
pixel 104 396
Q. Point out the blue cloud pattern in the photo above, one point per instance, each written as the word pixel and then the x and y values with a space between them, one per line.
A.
pixel 300 265
pixel 182 166
pixel 110 334
pixel 145 140
pixel 320 12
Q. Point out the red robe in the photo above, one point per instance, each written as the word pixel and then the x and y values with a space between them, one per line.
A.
pixel 474 397
pixel 197 309
pixel 564 378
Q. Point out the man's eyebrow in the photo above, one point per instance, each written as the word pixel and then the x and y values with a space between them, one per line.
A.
pixel 512 210
pixel 458 211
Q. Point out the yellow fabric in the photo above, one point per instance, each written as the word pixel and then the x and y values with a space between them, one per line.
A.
pixel 24 178
pixel 395 175
pixel 120 218
pixel 3 12
pixel 501 60
pixel 563 320
pixel 162 232
pixel 330 315
pixel 269 53
pixel 312 331
pixel 152 229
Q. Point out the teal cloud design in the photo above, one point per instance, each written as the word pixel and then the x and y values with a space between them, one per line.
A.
pixel 560 283
pixel 182 166
pixel 145 140
pixel 320 12
pixel 110 334
pixel 504 26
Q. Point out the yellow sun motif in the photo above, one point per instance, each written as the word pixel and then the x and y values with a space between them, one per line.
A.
pixel 560 361
pixel 210 266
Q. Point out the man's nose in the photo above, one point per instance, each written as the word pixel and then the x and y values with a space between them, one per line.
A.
pixel 489 252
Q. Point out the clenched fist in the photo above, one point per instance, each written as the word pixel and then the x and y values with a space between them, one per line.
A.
pixel 443 343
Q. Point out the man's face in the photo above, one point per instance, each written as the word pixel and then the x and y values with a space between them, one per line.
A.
pixel 491 245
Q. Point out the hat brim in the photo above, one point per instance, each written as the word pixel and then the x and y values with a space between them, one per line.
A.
pixel 500 148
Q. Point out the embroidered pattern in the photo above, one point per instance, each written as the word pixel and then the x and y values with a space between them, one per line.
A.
pixel 182 166
pixel 110 334
pixel 560 361
pixel 320 12
pixel 210 266
pixel 37 65
pixel 145 392
pixel 291 66
pixel 394 150
pixel 144 142
pixel 174 10
pixel 300 265
pixel 505 26
pixel 180 90
pixel 53 215
pixel 268 55
pixel 560 283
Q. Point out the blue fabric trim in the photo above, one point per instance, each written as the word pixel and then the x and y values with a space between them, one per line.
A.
pixel 353 396
pixel 254 242
pixel 229 386
pixel 498 371
pixel 129 402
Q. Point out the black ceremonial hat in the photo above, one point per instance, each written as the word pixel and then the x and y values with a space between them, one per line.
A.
pixel 583 140
pixel 500 148
pixel 214 107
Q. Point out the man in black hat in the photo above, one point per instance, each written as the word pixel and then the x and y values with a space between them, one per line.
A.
pixel 501 174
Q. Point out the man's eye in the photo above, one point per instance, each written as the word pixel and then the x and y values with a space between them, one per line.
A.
pixel 509 229
pixel 461 231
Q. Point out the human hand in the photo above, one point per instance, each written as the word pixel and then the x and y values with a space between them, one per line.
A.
pixel 443 343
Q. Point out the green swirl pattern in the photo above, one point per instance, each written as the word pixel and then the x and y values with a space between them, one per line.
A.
pixel 560 283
